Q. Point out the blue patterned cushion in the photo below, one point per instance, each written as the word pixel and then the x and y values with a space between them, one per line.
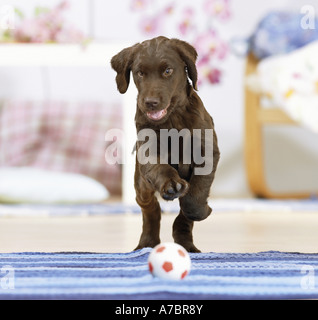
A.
pixel 281 32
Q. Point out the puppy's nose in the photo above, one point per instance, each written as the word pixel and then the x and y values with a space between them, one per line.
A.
pixel 152 103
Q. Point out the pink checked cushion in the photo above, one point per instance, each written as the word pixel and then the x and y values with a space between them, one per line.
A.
pixel 60 136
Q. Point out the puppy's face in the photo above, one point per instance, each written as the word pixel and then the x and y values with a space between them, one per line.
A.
pixel 160 76
pixel 160 69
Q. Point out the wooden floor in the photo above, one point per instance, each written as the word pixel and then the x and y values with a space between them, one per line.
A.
pixel 221 232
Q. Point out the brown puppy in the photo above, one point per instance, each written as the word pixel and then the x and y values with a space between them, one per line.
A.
pixel 162 69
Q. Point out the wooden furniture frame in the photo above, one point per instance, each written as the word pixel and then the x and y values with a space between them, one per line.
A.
pixel 255 118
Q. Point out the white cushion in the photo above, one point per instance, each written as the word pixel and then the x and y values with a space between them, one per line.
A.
pixel 290 81
pixel 30 185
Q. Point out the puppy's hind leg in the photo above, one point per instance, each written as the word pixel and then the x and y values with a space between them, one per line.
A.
pixel 151 216
pixel 182 232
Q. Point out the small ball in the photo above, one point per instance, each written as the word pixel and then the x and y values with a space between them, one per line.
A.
pixel 169 261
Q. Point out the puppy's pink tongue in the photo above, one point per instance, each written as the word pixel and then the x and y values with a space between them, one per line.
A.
pixel 157 115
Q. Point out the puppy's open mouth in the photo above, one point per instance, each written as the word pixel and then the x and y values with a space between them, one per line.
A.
pixel 157 115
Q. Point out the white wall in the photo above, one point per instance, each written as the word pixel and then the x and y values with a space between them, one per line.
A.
pixel 287 150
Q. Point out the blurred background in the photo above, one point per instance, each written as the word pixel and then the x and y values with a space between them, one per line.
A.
pixel 253 56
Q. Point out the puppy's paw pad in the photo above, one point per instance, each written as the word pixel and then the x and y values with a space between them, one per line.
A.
pixel 174 189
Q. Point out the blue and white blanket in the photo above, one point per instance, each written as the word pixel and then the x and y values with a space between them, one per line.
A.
pixel 266 275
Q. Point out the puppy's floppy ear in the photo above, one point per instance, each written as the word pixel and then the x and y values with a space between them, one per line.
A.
pixel 189 55
pixel 121 63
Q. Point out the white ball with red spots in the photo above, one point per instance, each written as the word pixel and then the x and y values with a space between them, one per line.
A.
pixel 169 261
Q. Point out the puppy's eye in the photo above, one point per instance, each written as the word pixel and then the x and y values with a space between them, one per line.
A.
pixel 140 74
pixel 168 72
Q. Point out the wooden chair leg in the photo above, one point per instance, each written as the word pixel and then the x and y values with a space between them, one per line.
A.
pixel 253 138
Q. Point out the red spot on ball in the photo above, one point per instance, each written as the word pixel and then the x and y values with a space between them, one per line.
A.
pixel 167 266
pixel 182 254
pixel 184 274
pixel 161 249
pixel 150 267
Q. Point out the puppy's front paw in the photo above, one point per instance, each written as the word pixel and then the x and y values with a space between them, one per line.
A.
pixel 174 188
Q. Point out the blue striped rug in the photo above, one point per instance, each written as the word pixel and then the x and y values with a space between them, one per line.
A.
pixel 266 275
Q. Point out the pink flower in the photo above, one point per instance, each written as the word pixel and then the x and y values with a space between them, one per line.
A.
pixel 218 8
pixel 214 76
pixel 186 25
pixel 31 31
pixel 139 4
pixel 207 73
pixel 151 25
pixel 64 5
pixel 168 10
pixel 48 26
pixel 69 35
pixel 209 45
